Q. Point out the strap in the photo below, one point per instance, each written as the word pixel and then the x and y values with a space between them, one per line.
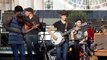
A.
pixel 66 26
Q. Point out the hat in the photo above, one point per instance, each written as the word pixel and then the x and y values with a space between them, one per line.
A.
pixel 18 9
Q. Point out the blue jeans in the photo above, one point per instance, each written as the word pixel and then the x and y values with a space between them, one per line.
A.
pixel 18 47
pixel 32 44
pixel 62 49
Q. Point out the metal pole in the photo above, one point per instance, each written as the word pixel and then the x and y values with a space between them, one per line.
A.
pixel 0 36
pixel 0 27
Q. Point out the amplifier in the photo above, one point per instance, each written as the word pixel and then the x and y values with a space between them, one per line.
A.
pixel 100 40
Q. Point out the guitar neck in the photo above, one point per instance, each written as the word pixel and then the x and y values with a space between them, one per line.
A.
pixel 32 28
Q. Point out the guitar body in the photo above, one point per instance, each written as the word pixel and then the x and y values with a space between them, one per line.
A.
pixel 29 28
pixel 59 38
pixel 26 27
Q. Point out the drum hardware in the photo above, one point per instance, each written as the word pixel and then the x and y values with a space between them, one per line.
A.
pixel 42 43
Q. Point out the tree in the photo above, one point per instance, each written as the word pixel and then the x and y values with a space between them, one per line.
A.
pixel 73 15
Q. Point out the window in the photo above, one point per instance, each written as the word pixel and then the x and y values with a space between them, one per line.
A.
pixel 87 4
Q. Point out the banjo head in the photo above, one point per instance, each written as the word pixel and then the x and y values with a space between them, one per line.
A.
pixel 59 38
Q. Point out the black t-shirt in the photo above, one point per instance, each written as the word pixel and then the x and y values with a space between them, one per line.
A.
pixel 61 27
pixel 34 19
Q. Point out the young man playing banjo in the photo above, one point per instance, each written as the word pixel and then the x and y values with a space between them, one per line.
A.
pixel 62 26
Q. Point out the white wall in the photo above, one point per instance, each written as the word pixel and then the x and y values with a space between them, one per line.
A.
pixel 38 4
pixel 58 5
pixel 23 3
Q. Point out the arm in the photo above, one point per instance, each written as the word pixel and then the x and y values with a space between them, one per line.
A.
pixel 25 28
pixel 72 35
pixel 85 34
pixel 6 24
pixel 35 25
pixel 49 31
pixel 36 22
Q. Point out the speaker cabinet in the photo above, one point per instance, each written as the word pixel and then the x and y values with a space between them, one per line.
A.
pixel 100 41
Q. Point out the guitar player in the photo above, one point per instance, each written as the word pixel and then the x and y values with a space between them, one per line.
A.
pixel 62 25
pixel 31 34
pixel 78 35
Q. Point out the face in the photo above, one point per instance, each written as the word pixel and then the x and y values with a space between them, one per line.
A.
pixel 18 13
pixel 19 16
pixel 63 17
pixel 78 23
pixel 27 13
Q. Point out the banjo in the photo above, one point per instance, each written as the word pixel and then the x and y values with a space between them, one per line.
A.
pixel 60 36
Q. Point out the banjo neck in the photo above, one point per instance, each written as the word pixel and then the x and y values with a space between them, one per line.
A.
pixel 67 32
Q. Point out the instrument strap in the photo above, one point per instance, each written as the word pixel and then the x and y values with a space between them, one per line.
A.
pixel 66 26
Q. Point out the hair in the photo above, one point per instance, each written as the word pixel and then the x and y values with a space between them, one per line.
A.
pixel 63 12
pixel 18 9
pixel 78 20
pixel 29 10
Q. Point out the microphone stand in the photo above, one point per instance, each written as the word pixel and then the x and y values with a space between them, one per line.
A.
pixel 43 44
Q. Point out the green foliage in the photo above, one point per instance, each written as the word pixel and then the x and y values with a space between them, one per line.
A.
pixel 73 15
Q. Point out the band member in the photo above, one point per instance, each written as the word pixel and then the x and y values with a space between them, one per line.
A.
pixel 78 35
pixel 62 25
pixel 90 40
pixel 31 33
pixel 16 40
